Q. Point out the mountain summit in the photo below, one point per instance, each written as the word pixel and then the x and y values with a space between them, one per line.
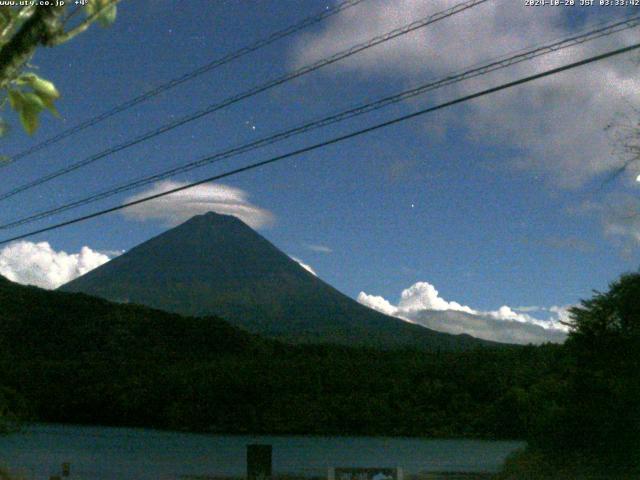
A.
pixel 216 265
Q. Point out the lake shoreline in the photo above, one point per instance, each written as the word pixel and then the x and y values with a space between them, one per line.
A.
pixel 26 426
pixel 106 453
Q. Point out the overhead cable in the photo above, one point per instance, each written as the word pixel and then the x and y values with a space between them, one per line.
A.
pixel 501 63
pixel 218 62
pixel 332 141
pixel 246 94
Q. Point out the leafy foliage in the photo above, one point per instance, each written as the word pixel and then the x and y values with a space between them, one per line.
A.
pixel 28 104
pixel 605 389
pixel 22 30
pixel 12 411
pixel 589 427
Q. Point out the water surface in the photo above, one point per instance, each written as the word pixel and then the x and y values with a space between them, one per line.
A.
pixel 101 453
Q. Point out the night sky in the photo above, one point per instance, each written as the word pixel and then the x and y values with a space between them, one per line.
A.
pixel 495 202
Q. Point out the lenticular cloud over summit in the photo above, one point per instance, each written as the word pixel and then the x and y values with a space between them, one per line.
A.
pixel 421 304
pixel 179 207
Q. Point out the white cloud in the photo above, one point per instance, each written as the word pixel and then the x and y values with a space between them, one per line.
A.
pixel 552 323
pixel 378 303
pixel 562 313
pixel 305 266
pixel 422 304
pixel 487 327
pixel 316 247
pixel 40 265
pixel 424 296
pixel 211 197
pixel 619 215
pixel 555 126
pixel 528 308
pixel 622 219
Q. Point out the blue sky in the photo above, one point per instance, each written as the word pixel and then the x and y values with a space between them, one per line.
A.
pixel 496 202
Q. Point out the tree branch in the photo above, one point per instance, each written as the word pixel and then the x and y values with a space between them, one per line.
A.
pixel 66 36
pixel 37 30
pixel 73 13
pixel 14 21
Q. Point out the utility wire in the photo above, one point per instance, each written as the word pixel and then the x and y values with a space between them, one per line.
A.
pixel 502 62
pixel 249 93
pixel 218 62
pixel 334 140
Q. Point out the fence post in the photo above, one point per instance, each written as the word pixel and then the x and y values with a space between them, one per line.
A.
pixel 259 462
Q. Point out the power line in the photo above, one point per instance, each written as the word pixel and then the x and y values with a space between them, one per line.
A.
pixel 500 63
pixel 334 140
pixel 249 93
pixel 290 30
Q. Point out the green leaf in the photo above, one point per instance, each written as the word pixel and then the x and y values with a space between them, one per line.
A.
pixel 29 117
pixel 16 99
pixel 25 78
pixel 34 101
pixel 48 103
pixel 41 86
pixel 92 7
pixel 29 105
pixel 32 105
pixel 108 16
pixel 43 96
pixel 46 88
pixel 109 11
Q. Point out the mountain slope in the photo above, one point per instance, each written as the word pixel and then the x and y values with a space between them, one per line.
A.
pixel 46 324
pixel 215 264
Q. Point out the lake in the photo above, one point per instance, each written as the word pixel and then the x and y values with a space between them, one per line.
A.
pixel 101 453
